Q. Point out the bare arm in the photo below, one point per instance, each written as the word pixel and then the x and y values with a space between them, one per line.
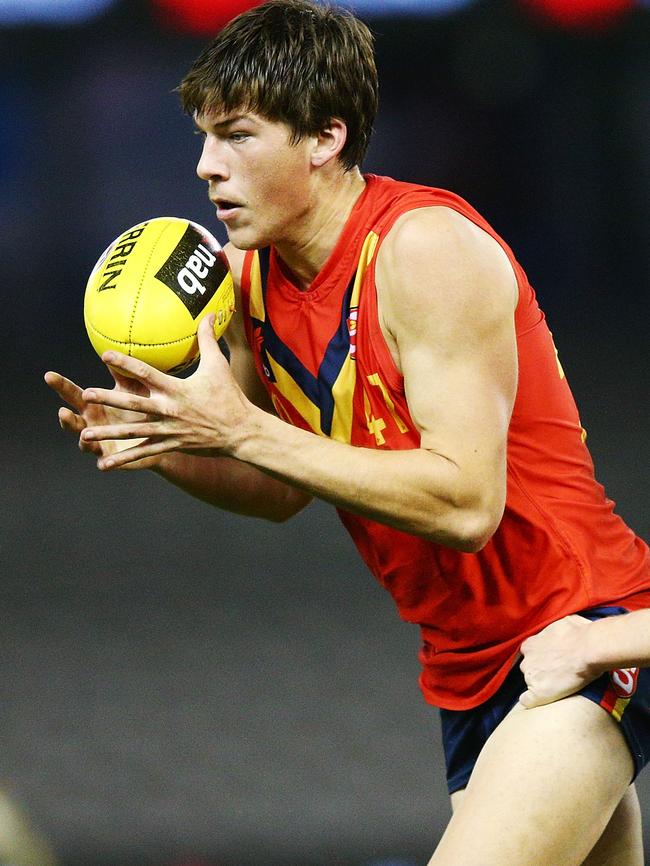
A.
pixel 220 480
pixel 224 481
pixel 620 641
pixel 449 301
pixel 570 653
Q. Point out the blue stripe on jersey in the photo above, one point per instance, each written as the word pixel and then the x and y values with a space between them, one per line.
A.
pixel 318 389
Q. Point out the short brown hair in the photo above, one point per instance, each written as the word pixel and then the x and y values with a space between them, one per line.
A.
pixel 292 61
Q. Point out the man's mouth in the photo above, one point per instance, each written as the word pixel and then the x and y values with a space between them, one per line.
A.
pixel 225 207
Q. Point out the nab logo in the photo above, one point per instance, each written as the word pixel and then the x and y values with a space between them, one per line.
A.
pixel 193 271
pixel 196 269
pixel 624 681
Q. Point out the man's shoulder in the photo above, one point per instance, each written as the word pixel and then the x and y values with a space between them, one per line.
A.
pixel 437 258
pixel 410 213
pixel 432 223
pixel 440 235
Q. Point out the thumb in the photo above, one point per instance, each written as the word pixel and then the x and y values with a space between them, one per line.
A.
pixel 528 700
pixel 209 348
pixel 206 336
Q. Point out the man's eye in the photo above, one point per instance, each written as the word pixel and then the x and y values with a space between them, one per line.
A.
pixel 238 136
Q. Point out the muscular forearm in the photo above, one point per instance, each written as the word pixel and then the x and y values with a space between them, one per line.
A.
pixel 619 642
pixel 451 490
pixel 414 490
pixel 229 484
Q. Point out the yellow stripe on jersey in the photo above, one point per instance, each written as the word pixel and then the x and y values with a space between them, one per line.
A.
pixel 619 708
pixel 296 396
pixel 256 300
pixel 343 388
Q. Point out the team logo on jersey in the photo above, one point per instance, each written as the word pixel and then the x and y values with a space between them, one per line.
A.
pixel 353 315
pixel 624 681
pixel 258 340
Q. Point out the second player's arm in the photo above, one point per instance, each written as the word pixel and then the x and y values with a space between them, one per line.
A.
pixel 570 653
pixel 619 642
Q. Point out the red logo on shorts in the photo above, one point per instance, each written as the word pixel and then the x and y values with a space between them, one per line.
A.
pixel 624 681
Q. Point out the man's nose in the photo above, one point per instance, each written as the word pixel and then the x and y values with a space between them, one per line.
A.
pixel 211 164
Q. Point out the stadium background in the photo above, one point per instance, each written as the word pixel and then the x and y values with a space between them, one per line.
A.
pixel 182 686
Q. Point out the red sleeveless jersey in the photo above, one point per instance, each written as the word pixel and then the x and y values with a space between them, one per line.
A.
pixel 559 547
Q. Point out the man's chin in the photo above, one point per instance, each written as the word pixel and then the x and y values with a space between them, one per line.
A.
pixel 244 242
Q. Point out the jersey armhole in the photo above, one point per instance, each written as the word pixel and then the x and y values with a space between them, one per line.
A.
pixel 526 311
pixel 394 378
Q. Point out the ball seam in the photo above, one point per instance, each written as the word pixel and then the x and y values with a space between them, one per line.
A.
pixel 137 300
pixel 146 345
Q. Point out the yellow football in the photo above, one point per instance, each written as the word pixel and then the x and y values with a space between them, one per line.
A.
pixel 149 290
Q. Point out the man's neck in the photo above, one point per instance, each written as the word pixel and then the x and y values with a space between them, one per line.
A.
pixel 315 239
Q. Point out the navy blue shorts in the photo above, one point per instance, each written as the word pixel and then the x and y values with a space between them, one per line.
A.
pixel 625 695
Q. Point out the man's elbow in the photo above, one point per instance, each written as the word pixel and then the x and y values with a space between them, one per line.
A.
pixel 473 542
pixel 288 507
pixel 477 528
pixel 469 529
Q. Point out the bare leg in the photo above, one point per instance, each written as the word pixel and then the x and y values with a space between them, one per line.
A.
pixel 543 790
pixel 622 841
pixel 20 843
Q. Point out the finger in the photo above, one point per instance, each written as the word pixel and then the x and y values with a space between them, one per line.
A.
pixel 75 424
pixel 129 367
pixel 128 383
pixel 139 430
pixel 541 697
pixel 211 353
pixel 65 388
pixel 529 700
pixel 148 448
pixel 90 447
pixel 123 382
pixel 528 644
pixel 206 327
pixel 208 343
pixel 68 420
pixel 120 400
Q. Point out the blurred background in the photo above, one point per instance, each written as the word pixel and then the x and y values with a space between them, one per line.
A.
pixel 182 687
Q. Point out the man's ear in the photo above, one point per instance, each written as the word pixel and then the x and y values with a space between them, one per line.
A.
pixel 329 142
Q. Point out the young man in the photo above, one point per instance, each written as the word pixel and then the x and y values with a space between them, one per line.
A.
pixel 388 356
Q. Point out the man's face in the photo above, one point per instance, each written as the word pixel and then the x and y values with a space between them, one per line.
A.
pixel 258 179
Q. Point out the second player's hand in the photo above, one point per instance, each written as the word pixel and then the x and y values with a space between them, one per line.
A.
pixel 203 414
pixel 554 663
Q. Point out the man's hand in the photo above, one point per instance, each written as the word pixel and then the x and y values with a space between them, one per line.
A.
pixel 554 663
pixel 87 414
pixel 203 414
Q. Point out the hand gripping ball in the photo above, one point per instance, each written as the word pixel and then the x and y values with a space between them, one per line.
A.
pixel 149 290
